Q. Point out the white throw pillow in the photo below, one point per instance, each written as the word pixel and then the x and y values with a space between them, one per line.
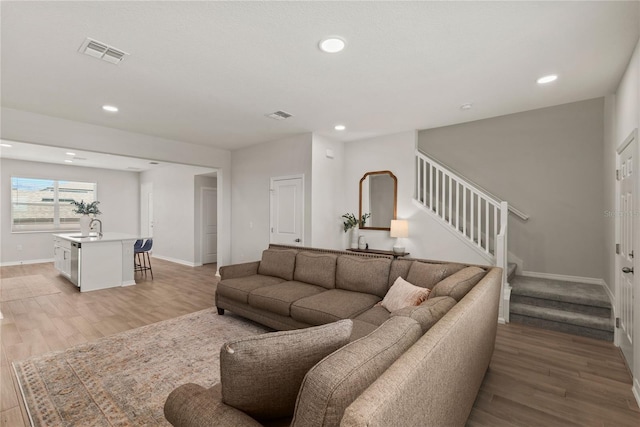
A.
pixel 404 294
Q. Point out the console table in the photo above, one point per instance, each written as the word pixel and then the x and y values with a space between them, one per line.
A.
pixel 379 252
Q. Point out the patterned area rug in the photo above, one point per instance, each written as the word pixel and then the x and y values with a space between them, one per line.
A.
pixel 124 379
pixel 15 288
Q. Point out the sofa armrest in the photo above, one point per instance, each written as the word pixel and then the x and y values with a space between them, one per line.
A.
pixel 191 405
pixel 239 270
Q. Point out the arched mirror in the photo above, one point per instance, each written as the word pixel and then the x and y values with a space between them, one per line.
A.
pixel 378 198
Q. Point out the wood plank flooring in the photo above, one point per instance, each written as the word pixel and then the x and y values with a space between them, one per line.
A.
pixel 33 326
pixel 536 377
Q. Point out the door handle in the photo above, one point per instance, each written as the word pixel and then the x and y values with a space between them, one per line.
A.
pixel 297 240
pixel 627 270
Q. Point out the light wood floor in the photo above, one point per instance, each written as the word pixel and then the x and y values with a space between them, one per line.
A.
pixel 536 377
pixel 33 326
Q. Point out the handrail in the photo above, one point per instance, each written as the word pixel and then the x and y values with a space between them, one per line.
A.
pixel 479 189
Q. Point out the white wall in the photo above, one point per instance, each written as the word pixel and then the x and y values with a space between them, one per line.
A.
pixel 547 163
pixel 327 197
pixel 118 193
pixel 396 153
pixel 201 181
pixel 173 211
pixel 251 171
pixel 36 128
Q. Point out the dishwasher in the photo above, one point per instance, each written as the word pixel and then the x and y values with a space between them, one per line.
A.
pixel 76 253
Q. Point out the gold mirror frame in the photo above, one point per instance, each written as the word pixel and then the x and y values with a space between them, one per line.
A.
pixel 395 197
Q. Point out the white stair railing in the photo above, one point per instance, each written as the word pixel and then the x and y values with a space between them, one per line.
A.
pixel 476 216
pixel 479 217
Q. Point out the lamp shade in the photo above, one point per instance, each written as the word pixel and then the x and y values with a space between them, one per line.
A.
pixel 399 228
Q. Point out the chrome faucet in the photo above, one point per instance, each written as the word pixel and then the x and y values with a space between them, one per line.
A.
pixel 99 222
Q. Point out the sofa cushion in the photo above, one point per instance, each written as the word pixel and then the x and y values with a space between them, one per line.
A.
pixel 427 313
pixel 238 289
pixel 261 375
pixel 426 275
pixel 399 268
pixel 331 305
pixel 316 269
pixel 457 285
pixel 360 274
pixel 278 263
pixel 404 294
pixel 376 315
pixel 279 297
pixel 335 382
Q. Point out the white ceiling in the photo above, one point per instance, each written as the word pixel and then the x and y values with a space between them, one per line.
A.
pixel 208 72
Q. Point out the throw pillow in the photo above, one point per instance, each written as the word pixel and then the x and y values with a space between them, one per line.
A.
pixel 458 284
pixel 404 294
pixel 261 375
pixel 334 383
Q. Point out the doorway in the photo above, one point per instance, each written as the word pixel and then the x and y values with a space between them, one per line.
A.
pixel 287 210
pixel 209 227
pixel 627 166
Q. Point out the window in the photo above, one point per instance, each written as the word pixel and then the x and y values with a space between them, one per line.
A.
pixel 45 204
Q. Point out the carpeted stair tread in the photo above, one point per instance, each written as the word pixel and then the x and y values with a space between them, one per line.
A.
pixel 561 316
pixel 557 290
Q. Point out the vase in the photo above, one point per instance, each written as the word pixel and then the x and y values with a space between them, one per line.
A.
pixel 85 225
pixel 354 237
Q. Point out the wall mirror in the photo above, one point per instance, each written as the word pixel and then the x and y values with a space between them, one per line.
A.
pixel 378 197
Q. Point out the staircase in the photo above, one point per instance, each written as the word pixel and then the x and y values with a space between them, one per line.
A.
pixel 576 308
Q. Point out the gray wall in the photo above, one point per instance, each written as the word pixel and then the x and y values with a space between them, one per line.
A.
pixel 118 193
pixel 251 171
pixel 547 163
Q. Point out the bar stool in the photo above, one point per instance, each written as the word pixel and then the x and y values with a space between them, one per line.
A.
pixel 143 250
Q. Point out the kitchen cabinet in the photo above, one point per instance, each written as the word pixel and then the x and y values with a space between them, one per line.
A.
pixel 95 262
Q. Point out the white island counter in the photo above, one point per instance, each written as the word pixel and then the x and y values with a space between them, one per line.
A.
pixel 94 262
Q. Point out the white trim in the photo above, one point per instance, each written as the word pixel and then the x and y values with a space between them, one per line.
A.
pixel 202 190
pixel 177 261
pixel 636 390
pixel 501 321
pixel 564 278
pixel 29 261
pixel 129 283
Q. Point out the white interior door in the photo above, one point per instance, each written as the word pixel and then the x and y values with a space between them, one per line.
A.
pixel 287 210
pixel 627 170
pixel 209 225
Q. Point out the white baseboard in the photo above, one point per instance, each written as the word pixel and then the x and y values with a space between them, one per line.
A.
pixel 564 278
pixel 177 261
pixel 29 261
pixel 501 321
pixel 636 390
pixel 129 283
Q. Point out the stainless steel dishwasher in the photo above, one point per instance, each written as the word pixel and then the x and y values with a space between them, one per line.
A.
pixel 76 253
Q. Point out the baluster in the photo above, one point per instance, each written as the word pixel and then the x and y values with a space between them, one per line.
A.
pixel 437 195
pixel 450 195
pixel 427 166
pixel 486 226
pixel 472 211
pixel 495 228
pixel 464 210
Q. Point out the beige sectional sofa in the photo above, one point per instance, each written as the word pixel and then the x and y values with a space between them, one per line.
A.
pixel 415 366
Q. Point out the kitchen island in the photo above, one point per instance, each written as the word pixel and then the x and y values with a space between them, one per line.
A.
pixel 95 262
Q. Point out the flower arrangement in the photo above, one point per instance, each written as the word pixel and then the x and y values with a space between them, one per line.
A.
pixel 350 221
pixel 86 208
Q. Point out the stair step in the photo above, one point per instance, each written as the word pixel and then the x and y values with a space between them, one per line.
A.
pixel 561 316
pixel 556 290
pixel 577 308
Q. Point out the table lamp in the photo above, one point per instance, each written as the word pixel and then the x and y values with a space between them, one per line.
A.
pixel 399 229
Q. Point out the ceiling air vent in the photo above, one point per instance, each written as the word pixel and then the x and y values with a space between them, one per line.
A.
pixel 279 115
pixel 102 51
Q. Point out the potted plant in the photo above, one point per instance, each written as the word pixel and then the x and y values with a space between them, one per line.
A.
pixel 351 222
pixel 86 209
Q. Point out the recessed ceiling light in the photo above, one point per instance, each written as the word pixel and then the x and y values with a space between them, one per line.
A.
pixel 6 145
pixel 547 79
pixel 331 44
pixel 466 106
pixel 339 127
pixel 69 153
pixel 110 108
pixel 68 161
